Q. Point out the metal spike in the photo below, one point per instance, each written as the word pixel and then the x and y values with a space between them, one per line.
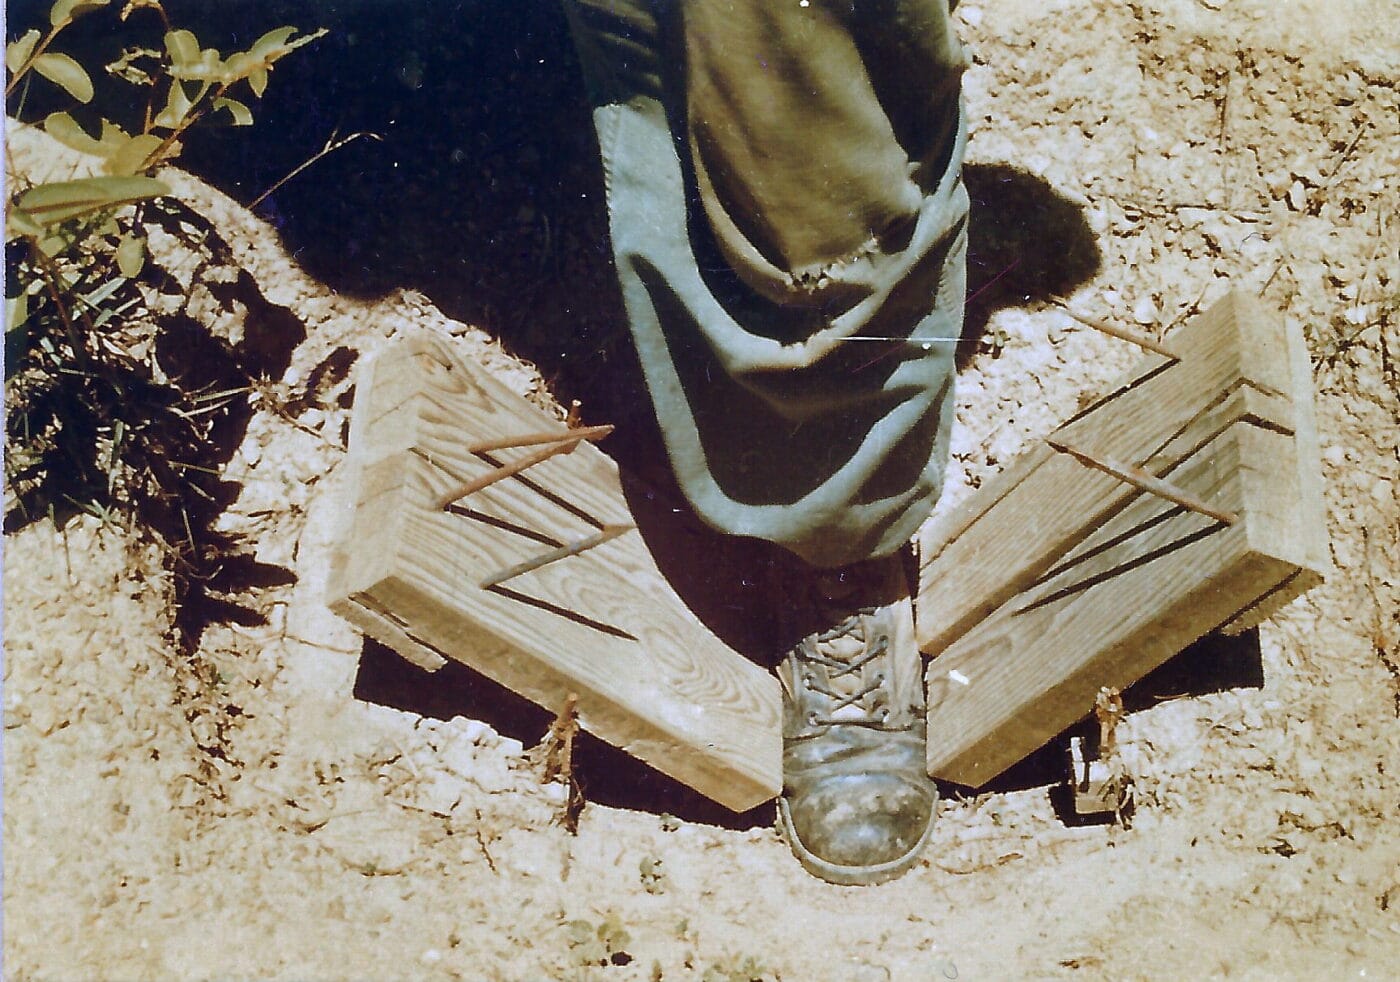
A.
pixel 607 533
pixel 1144 481
pixel 558 443
pixel 535 439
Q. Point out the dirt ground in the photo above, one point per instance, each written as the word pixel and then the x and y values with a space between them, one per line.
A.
pixel 239 813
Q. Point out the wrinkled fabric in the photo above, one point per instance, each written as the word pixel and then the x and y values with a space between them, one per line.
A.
pixel 788 222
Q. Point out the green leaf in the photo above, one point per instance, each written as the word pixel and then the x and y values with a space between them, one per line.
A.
pixel 254 63
pixel 131 256
pixel 242 115
pixel 132 156
pixel 19 222
pixel 271 41
pixel 277 44
pixel 113 136
pixel 54 245
pixel 18 52
pixel 206 67
pixel 66 10
pixel 65 72
pixel 238 65
pixel 177 107
pixel 183 47
pixel 62 200
pixel 211 66
pixel 16 312
pixel 65 129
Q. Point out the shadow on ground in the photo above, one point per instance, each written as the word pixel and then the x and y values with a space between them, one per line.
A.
pixel 1215 663
pixel 1027 243
pixel 480 188
pixel 610 777
pixel 607 775
pixel 143 439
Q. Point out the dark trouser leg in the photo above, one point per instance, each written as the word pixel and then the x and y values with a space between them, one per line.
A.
pixel 788 222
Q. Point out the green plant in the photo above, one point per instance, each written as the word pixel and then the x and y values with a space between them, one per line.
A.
pixel 601 944
pixel 738 969
pixel 98 419
pixel 653 875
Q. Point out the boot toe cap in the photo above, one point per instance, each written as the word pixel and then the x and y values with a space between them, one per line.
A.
pixel 860 828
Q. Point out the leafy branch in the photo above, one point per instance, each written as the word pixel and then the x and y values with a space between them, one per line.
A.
pixel 99 416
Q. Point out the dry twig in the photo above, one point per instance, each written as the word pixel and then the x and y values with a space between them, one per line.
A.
pixel 554 755
pixel 1121 333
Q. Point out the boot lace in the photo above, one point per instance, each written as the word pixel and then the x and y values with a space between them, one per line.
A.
pixel 838 669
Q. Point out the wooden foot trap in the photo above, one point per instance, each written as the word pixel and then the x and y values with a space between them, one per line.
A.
pixel 1186 501
pixel 486 531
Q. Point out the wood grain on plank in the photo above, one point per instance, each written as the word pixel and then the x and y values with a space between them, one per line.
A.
pixel 1298 526
pixel 1147 583
pixel 1021 522
pixel 604 623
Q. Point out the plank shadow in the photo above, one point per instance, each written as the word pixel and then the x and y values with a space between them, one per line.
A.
pixel 607 775
pixel 1215 663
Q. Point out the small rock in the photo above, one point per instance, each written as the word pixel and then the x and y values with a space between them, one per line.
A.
pixel 1277 182
pixel 474 731
pixel 555 792
pixel 1297 196
pixel 1145 311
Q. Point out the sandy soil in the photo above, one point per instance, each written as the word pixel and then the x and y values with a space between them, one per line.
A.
pixel 238 813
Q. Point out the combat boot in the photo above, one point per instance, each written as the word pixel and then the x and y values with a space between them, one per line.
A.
pixel 857 805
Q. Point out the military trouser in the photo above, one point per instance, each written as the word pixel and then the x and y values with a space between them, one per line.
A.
pixel 788 221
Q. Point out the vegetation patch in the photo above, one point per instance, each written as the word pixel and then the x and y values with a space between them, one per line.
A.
pixel 118 403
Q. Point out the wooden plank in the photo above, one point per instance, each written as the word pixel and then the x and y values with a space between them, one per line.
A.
pixel 365 554
pixel 1149 582
pixel 1022 521
pixel 1104 601
pixel 1300 520
pixel 602 623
